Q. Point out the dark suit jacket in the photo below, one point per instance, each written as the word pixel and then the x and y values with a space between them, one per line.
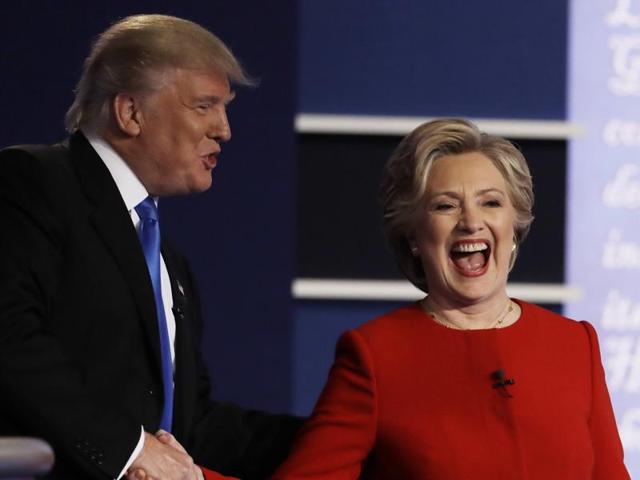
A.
pixel 79 346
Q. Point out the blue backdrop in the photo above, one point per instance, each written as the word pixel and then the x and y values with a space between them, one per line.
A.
pixel 488 59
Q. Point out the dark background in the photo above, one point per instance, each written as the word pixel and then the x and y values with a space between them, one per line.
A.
pixel 482 58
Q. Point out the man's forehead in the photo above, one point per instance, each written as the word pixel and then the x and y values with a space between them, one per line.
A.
pixel 202 82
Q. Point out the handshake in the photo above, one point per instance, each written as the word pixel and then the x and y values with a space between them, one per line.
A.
pixel 164 458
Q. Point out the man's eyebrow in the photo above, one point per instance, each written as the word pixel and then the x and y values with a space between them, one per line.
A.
pixel 216 98
pixel 230 98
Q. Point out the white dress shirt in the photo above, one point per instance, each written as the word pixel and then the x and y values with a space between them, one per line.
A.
pixel 133 192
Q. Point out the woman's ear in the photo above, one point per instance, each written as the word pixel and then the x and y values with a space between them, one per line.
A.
pixel 413 247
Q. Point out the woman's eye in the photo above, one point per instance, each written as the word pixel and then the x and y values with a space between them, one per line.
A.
pixel 493 203
pixel 444 206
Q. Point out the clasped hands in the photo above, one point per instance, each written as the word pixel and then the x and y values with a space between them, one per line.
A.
pixel 163 458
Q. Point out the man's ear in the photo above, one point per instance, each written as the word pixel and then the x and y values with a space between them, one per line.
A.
pixel 127 114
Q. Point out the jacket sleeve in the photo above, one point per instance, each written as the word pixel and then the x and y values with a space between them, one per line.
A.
pixel 41 388
pixel 211 475
pixel 224 437
pixel 338 437
pixel 608 453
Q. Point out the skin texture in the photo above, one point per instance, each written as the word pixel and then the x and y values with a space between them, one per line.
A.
pixel 466 200
pixel 171 138
pixel 163 458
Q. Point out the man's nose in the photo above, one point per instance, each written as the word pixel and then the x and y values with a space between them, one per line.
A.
pixel 220 130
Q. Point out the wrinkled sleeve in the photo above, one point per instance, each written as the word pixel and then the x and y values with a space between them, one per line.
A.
pixel 338 437
pixel 607 448
pixel 225 438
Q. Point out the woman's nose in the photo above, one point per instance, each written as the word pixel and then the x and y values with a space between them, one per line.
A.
pixel 470 220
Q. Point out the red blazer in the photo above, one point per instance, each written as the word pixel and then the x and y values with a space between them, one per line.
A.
pixel 210 475
pixel 410 399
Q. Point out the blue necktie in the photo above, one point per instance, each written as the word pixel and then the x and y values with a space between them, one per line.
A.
pixel 150 238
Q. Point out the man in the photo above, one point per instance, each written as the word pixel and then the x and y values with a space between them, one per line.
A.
pixel 99 325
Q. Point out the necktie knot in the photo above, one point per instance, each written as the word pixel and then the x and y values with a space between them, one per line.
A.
pixel 147 210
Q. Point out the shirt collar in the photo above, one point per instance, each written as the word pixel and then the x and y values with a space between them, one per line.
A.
pixel 130 187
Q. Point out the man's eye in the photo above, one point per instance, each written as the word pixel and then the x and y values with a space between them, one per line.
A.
pixel 203 107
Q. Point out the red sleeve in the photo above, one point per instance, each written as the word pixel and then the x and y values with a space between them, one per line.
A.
pixel 336 440
pixel 607 449
pixel 211 475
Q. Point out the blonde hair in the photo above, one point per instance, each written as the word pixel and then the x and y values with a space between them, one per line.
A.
pixel 407 171
pixel 136 54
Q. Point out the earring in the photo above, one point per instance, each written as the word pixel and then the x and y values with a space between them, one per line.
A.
pixel 513 247
pixel 414 250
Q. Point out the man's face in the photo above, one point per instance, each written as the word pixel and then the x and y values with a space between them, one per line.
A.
pixel 181 129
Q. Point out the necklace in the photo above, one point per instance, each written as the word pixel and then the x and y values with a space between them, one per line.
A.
pixel 446 323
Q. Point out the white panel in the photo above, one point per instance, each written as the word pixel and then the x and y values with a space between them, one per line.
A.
pixel 387 125
pixel 399 290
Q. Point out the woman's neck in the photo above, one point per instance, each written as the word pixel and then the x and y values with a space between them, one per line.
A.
pixel 495 313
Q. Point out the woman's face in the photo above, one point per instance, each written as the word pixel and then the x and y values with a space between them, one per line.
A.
pixel 465 231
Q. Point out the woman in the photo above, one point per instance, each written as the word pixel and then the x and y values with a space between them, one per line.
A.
pixel 467 383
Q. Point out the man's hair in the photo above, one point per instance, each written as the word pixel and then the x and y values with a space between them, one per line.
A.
pixel 407 171
pixel 136 55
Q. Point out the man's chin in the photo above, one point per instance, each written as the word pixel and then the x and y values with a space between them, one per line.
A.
pixel 174 190
pixel 203 184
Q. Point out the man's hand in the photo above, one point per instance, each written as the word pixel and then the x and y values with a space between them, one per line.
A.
pixel 163 458
pixel 168 439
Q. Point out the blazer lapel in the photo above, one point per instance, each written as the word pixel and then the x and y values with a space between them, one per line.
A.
pixel 185 348
pixel 113 223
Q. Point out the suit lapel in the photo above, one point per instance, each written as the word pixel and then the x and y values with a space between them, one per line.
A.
pixel 113 223
pixel 185 383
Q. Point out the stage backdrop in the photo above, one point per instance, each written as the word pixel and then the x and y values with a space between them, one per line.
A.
pixel 603 229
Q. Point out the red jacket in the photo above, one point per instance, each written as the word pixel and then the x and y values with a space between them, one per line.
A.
pixel 210 475
pixel 410 399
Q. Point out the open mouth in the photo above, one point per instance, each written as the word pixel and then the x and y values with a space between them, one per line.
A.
pixel 210 160
pixel 470 258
